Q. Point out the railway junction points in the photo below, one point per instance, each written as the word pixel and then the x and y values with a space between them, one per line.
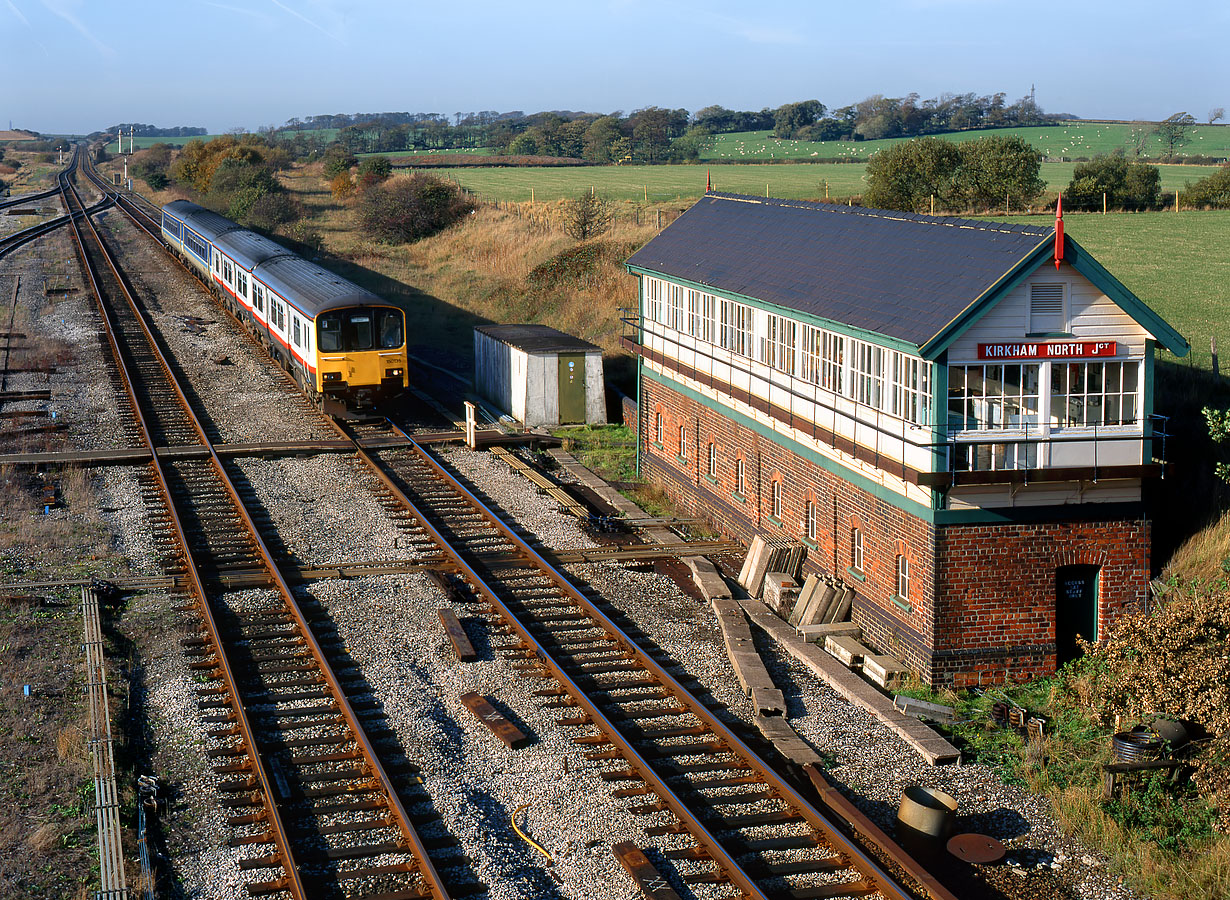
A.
pixel 338 756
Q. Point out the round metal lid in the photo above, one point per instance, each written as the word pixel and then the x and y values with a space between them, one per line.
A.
pixel 976 848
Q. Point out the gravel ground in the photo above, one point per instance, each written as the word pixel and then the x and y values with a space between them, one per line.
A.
pixel 871 764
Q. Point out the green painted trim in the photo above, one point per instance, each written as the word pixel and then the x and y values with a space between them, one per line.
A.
pixel 901 604
pixel 656 444
pixel 987 299
pixel 777 522
pixel 741 498
pixel 640 420
pixel 1024 515
pixel 862 334
pixel 1081 260
pixel 939 418
pixel 1146 404
pixel 855 573
pixel 682 460
pixel 709 478
pixel 809 543
pixel 857 479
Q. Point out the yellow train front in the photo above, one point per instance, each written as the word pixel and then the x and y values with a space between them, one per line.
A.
pixel 345 345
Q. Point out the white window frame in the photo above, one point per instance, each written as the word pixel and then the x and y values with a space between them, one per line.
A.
pixel 775 499
pixel 856 549
pixel 683 442
pixel 903 577
pixel 712 460
pixel 809 519
pixel 658 428
pixel 740 477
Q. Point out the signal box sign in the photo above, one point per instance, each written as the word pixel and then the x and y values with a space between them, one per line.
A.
pixel 1049 350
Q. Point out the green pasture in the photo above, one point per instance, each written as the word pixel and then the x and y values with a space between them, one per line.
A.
pixel 659 184
pixel 1070 140
pixel 1171 261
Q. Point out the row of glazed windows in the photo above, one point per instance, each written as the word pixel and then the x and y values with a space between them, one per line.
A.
pixel 777 500
pixel 1013 396
pixel 886 380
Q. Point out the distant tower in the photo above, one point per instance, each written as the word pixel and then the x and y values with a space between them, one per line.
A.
pixel 1032 101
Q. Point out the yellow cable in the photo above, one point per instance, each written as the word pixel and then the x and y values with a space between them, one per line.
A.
pixel 529 840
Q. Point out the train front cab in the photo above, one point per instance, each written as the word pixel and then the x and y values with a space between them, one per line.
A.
pixel 361 353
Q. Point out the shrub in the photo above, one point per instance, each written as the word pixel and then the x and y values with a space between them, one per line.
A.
pixel 378 166
pixel 586 216
pixel 1212 192
pixel 338 159
pixel 406 209
pixel 1127 185
pixel 342 186
pixel 273 209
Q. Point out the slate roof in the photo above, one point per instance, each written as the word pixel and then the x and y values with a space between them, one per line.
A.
pixel 893 273
pixel 537 338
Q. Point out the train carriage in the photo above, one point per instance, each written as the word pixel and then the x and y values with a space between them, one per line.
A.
pixel 339 340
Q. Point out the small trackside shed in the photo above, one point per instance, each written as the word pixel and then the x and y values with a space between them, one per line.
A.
pixel 539 375
pixel 955 416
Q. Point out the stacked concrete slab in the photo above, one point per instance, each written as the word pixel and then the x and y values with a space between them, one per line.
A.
pixel 770 555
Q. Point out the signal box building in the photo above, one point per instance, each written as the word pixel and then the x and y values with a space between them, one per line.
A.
pixel 955 416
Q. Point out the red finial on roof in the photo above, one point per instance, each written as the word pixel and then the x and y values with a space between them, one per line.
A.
pixel 708 181
pixel 1059 231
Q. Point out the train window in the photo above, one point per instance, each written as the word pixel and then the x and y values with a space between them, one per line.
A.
pixel 258 297
pixel 330 333
pixel 243 283
pixel 390 328
pixel 359 331
pixel 298 340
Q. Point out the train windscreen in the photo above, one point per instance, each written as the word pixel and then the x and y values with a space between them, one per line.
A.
pixel 360 329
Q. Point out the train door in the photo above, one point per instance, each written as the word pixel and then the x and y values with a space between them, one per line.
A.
pixel 1076 609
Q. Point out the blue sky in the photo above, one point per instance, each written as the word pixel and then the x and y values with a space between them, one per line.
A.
pixel 81 65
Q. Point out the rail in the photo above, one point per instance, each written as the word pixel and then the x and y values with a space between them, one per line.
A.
pixel 262 782
pixel 570 674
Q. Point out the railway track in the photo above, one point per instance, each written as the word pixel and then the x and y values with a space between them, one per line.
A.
pixel 739 823
pixel 732 820
pixel 311 800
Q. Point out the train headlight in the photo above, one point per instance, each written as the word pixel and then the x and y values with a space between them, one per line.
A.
pixel 332 376
pixel 392 373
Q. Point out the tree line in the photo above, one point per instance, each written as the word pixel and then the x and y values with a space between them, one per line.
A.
pixel 655 134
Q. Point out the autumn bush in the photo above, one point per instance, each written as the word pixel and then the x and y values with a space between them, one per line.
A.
pixel 1174 663
pixel 407 209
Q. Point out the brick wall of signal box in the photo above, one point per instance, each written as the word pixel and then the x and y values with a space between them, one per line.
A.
pixel 996 582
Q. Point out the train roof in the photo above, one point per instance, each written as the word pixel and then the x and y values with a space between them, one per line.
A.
pixel 249 249
pixel 205 222
pixel 311 288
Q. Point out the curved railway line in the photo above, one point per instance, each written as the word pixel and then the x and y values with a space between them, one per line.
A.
pixel 310 795
pixel 311 798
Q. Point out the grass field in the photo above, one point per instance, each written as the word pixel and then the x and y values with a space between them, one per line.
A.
pixel 657 184
pixel 1066 140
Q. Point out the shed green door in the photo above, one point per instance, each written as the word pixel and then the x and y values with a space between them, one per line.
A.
pixel 1076 609
pixel 571 388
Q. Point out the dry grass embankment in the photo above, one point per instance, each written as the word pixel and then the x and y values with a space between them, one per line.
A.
pixel 506 263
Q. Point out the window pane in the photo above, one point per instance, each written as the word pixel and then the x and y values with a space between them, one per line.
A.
pixel 330 333
pixel 1130 372
pixel 390 329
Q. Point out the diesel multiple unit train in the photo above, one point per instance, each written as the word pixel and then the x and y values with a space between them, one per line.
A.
pixel 343 344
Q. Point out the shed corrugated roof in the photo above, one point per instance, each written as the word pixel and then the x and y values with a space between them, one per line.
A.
pixel 537 338
pixel 898 274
